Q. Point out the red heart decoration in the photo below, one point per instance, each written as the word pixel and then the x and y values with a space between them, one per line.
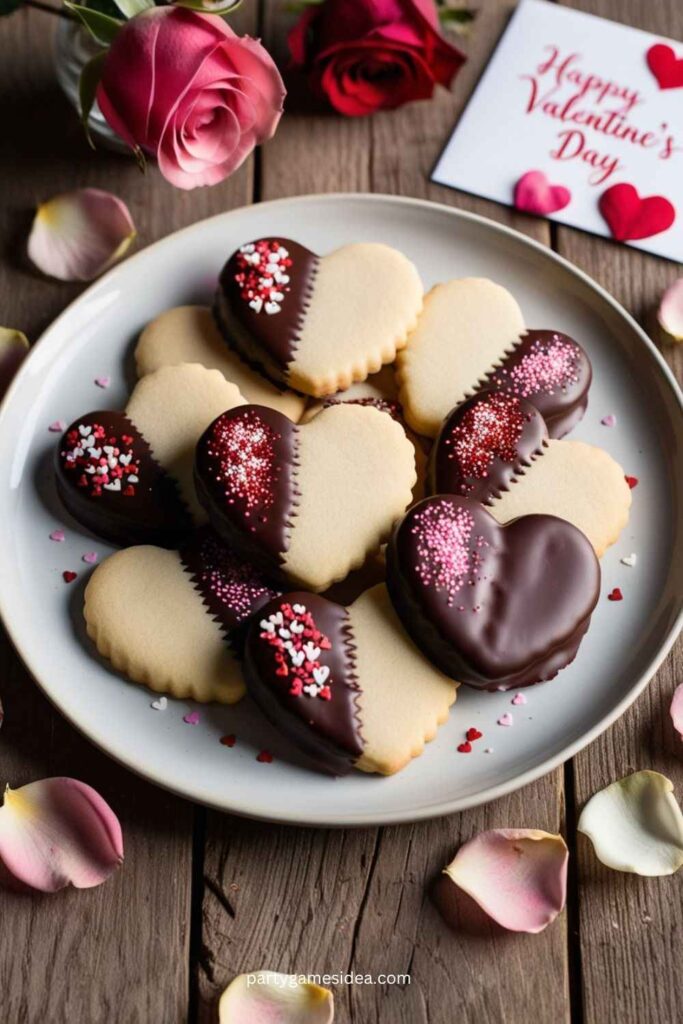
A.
pixel 68 576
pixel 474 734
pixel 630 217
pixel 632 481
pixel 665 66
pixel 615 595
pixel 535 194
pixel 465 748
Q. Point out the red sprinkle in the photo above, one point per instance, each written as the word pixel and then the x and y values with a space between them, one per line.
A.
pixel 229 741
pixel 616 595
pixel 474 734
pixel 465 748
pixel 632 481
pixel 68 576
pixel 265 757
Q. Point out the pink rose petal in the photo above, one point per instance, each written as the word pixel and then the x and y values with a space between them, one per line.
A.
pixel 676 710
pixel 13 348
pixel 58 427
pixel 670 314
pixel 58 832
pixel 77 235
pixel 517 876
pixel 58 535
pixel 535 194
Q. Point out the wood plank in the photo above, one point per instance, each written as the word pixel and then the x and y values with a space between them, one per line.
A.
pixel 630 927
pixel 119 952
pixel 301 900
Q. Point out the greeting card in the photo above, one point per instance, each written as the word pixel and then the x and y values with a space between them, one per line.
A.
pixel 581 120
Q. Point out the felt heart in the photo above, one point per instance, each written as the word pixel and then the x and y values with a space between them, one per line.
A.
pixel 356 704
pixel 492 606
pixel 125 497
pixel 317 324
pixel 535 194
pixel 311 500
pixel 631 217
pixel 665 66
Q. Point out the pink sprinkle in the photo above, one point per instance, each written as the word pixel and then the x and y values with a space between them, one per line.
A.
pixel 58 427
pixel 58 535
pixel 505 719
pixel 518 699
pixel 103 382
pixel 90 557
pixel 192 718
pixel 547 367
pixel 446 558
pixel 609 421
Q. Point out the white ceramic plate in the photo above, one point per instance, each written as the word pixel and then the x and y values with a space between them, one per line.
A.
pixel 626 641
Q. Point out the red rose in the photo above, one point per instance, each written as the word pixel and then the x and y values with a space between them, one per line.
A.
pixel 367 55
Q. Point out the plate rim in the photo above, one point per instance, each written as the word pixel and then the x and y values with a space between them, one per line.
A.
pixel 357 819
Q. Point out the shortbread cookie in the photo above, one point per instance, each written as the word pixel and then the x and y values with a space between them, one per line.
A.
pixel 494 447
pixel 313 500
pixel 471 335
pixel 346 684
pixel 495 607
pixel 188 334
pixel 175 621
pixel 317 324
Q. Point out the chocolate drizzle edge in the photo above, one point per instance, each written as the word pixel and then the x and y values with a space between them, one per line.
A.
pixel 354 682
pixel 517 474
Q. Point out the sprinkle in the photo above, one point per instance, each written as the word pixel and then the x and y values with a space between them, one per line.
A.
pixel 160 704
pixel 490 428
pixel 90 557
pixel 447 561
pixel 518 699
pixel 632 481
pixel 230 580
pixel 609 421
pixel 547 367
pixel 68 576
pixel 262 275
pixel 473 734
pixel 242 451
pixel 488 750
pixel 192 718
pixel 58 427
pixel 58 535
pixel 102 463
pixel 297 645
pixel 506 719
pixel 229 741
pixel 629 560
pixel 103 382
pixel 265 757
pixel 615 595
pixel 465 748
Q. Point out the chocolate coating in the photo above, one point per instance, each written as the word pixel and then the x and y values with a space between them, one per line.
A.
pixel 132 500
pixel 265 339
pixel 323 722
pixel 553 372
pixel 231 588
pixel 483 444
pixel 244 478
pixel 492 606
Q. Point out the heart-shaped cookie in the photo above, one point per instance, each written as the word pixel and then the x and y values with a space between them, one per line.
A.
pixel 317 324
pixel 175 620
pixel 471 335
pixel 346 684
pixel 492 606
pixel 494 448
pixel 312 500
pixel 188 334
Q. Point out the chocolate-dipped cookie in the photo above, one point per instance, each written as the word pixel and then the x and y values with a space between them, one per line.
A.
pixel 317 324
pixel 345 684
pixel 310 500
pixel 494 607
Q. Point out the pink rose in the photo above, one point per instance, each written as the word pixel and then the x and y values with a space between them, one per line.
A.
pixel 367 55
pixel 185 88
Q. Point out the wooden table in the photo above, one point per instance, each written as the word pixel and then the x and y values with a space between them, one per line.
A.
pixel 204 896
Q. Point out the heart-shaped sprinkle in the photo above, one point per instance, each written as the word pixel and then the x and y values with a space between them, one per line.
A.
pixel 631 217
pixel 264 757
pixel 229 741
pixel 192 718
pixel 473 734
pixel 609 421
pixel 506 720
pixel 629 560
pixel 57 427
pixel 465 748
pixel 58 535
pixel 615 595
pixel 535 194
pixel 90 557
pixel 103 382
pixel 632 481
pixel 68 576
pixel 519 698
pixel 160 704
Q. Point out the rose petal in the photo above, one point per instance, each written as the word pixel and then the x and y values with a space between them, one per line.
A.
pixel 670 314
pixel 518 876
pixel 266 997
pixel 676 709
pixel 58 832
pixel 13 348
pixel 77 235
pixel 636 825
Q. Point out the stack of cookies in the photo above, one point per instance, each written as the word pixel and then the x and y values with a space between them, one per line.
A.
pixel 345 498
